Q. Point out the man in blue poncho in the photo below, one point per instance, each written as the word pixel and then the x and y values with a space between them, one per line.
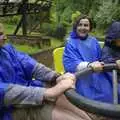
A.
pixel 111 49
pixel 81 51
pixel 18 90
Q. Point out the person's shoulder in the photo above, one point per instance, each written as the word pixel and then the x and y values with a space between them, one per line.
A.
pixel 106 48
pixel 71 41
pixel 92 38
pixel 9 46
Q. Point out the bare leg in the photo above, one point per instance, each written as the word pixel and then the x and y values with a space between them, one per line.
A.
pixel 61 114
pixel 63 103
pixel 63 110
pixel 35 114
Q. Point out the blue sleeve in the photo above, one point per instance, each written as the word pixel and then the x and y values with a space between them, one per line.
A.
pixel 27 62
pixel 107 56
pixel 71 58
pixel 99 50
pixel 75 53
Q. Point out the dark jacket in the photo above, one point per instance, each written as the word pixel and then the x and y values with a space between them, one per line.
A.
pixel 110 52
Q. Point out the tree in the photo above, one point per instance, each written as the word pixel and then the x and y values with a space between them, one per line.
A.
pixel 107 12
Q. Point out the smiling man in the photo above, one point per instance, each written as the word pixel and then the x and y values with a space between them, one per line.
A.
pixel 17 89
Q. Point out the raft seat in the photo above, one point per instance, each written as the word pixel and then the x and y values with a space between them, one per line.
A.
pixel 57 58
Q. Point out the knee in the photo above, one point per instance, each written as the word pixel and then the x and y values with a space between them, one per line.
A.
pixel 57 114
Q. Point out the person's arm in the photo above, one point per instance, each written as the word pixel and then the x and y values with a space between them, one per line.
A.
pixel 96 64
pixel 67 81
pixel 107 56
pixel 22 95
pixel 72 59
pixel 25 62
pixel 32 68
pixel 41 72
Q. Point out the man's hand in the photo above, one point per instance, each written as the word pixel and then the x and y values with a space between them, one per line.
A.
pixel 66 81
pixel 96 66
pixel 118 63
pixel 68 76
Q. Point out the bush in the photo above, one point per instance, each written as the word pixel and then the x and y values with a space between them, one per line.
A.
pixel 60 31
pixel 48 29
pixel 11 20
pixel 106 14
pixel 75 15
pixel 66 14
pixel 54 30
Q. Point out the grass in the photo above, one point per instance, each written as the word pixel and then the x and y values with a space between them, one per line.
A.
pixel 27 49
pixel 9 29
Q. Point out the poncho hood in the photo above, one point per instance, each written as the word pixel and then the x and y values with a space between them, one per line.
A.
pixel 113 33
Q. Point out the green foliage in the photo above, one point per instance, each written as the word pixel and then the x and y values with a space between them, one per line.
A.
pixel 13 20
pixel 101 11
pixel 106 14
pixel 75 15
pixel 31 50
pixel 48 29
pixel 64 12
pixel 66 15
pixel 116 15
pixel 9 29
pixel 60 31
pixel 54 30
pixel 26 48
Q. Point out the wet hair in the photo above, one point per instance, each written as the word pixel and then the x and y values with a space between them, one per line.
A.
pixel 76 23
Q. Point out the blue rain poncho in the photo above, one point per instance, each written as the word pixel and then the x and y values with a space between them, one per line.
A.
pixel 95 86
pixel 111 52
pixel 16 68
